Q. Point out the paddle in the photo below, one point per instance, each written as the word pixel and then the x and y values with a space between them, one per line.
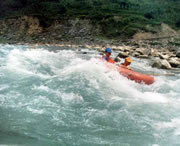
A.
pixel 167 74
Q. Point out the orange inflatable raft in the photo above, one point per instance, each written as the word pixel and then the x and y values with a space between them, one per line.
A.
pixel 136 76
pixel 132 75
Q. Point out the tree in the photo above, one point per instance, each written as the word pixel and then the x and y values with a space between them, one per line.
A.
pixel 178 23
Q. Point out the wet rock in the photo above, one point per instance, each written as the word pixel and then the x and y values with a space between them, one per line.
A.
pixel 143 51
pixel 154 53
pixel 161 64
pixel 174 62
pixel 120 48
pixel 164 56
pixel 135 54
pixel 117 59
pixel 172 55
pixel 178 54
pixel 140 51
pixel 143 56
pixel 84 52
pixel 127 49
pixel 123 54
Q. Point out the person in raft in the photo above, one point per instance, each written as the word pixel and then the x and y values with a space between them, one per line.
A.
pixel 127 62
pixel 107 55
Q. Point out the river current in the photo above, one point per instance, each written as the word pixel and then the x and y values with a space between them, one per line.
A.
pixel 57 96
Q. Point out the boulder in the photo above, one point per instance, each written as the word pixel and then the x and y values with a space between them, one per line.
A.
pixel 174 62
pixel 165 64
pixel 162 56
pixel 140 51
pixel 143 51
pixel 143 56
pixel 123 54
pixel 120 48
pixel 154 53
pixel 162 64
pixel 178 54
pixel 117 59
pixel 127 49
pixel 172 55
pixel 135 54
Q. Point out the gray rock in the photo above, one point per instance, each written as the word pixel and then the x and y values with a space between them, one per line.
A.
pixel 123 54
pixel 174 62
pixel 143 51
pixel 178 54
pixel 172 55
pixel 117 59
pixel 164 56
pixel 143 56
pixel 140 51
pixel 155 53
pixel 135 54
pixel 161 64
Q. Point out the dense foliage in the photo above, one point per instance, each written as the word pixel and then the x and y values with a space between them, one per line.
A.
pixel 116 16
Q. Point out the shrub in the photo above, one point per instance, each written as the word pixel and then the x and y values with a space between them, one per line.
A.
pixel 178 23
pixel 148 15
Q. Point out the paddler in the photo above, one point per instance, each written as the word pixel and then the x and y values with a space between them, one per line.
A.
pixel 107 55
pixel 127 62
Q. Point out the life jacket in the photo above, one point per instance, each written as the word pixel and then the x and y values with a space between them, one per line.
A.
pixel 108 59
pixel 124 66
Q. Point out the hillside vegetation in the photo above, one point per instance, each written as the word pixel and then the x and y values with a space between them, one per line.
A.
pixel 116 17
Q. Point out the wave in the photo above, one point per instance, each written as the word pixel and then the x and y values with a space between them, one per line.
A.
pixel 74 99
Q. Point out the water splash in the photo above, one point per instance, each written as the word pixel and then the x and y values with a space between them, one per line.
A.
pixel 62 97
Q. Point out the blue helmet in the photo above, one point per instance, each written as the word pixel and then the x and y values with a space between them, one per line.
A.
pixel 108 50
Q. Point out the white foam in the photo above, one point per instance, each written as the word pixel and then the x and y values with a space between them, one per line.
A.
pixel 71 97
pixel 18 61
pixel 115 81
pixel 36 111
pixel 41 87
pixel 21 62
pixel 174 123
pixel 3 87
pixel 71 70
pixel 153 97
pixel 96 72
pixel 155 145
pixel 177 132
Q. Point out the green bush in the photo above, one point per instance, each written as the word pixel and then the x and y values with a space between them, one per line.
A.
pixel 178 23
pixel 116 17
pixel 52 9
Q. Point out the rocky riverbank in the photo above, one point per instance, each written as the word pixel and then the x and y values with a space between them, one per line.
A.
pixel 163 46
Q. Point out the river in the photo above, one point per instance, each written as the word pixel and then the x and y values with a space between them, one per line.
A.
pixel 58 96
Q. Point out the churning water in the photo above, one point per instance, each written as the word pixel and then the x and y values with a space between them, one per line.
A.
pixel 51 96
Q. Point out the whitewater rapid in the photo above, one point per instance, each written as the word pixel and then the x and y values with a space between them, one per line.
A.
pixel 61 96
